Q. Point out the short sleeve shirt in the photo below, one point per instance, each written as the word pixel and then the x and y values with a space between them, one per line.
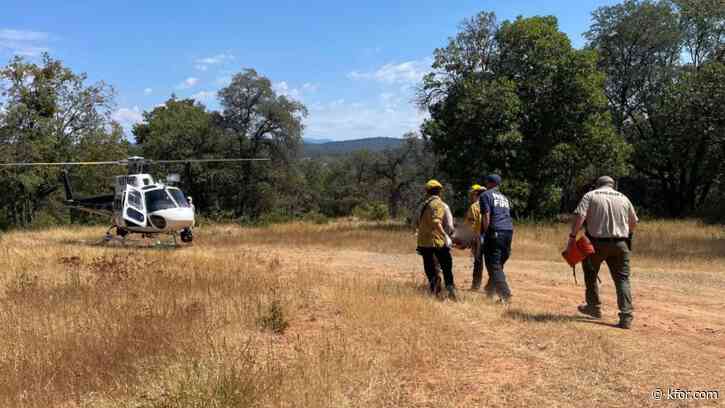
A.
pixel 473 217
pixel 498 206
pixel 428 234
pixel 607 213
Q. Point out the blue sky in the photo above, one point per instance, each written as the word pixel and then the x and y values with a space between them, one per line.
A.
pixel 353 64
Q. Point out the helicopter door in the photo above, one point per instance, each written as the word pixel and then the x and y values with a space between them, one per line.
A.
pixel 134 212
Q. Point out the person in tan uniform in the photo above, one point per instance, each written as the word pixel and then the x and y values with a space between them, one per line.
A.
pixel 473 222
pixel 433 240
pixel 610 220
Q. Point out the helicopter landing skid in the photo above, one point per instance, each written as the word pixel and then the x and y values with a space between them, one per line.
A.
pixel 123 238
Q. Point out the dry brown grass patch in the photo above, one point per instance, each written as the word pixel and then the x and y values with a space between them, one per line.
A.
pixel 336 315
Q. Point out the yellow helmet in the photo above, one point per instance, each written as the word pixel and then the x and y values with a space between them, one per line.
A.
pixel 433 183
pixel 476 188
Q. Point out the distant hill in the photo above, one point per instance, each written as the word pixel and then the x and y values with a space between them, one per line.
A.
pixel 373 144
pixel 316 141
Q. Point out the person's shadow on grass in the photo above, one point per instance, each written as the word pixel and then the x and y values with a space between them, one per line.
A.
pixel 546 317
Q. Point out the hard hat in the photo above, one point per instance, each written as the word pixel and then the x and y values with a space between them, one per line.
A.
pixel 433 183
pixel 476 188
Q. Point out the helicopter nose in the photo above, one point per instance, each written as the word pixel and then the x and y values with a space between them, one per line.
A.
pixel 176 219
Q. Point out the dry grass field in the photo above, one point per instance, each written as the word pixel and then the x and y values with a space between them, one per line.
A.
pixel 304 315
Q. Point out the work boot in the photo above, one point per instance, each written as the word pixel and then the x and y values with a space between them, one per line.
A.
pixel 592 311
pixel 504 301
pixel 489 289
pixel 452 295
pixel 436 286
pixel 625 322
pixel 476 284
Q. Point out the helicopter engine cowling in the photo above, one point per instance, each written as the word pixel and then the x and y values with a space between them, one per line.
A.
pixel 158 221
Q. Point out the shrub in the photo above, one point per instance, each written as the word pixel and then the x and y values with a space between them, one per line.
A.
pixel 272 318
pixel 315 218
pixel 371 211
pixel 714 211
pixel 23 283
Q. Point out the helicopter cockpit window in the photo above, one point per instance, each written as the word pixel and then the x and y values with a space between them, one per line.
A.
pixel 134 200
pixel 179 197
pixel 158 200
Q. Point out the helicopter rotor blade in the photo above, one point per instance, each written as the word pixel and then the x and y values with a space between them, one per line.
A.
pixel 126 162
pixel 205 160
pixel 116 162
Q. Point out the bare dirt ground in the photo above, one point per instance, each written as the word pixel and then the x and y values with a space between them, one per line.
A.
pixel 337 316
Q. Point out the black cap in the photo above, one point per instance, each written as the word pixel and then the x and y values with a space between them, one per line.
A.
pixel 494 179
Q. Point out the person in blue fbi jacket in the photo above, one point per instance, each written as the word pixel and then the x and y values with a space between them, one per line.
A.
pixel 497 231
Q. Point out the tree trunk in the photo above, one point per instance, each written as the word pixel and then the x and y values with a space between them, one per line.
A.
pixel 394 203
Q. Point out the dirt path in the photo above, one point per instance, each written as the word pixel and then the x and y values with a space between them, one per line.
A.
pixel 549 286
pixel 678 338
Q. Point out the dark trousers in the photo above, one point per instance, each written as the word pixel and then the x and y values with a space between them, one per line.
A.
pixel 496 251
pixel 477 263
pixel 443 256
pixel 616 255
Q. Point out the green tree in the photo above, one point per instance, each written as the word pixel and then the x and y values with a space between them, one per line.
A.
pixel 184 129
pixel 474 130
pixel 398 169
pixel 349 181
pixel 49 114
pixel 530 107
pixel 471 53
pixel 257 122
pixel 639 44
pixel 663 103
pixel 565 124
pixel 702 23
pixel 686 158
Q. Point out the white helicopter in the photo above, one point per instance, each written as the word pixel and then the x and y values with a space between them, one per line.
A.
pixel 139 205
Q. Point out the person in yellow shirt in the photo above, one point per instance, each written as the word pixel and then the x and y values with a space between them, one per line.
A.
pixel 473 222
pixel 432 240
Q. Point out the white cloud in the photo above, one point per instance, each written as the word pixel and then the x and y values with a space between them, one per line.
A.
pixel 24 43
pixel 188 83
pixel 20 35
pixel 390 99
pixel 342 120
pixel 390 113
pixel 409 72
pixel 147 91
pixel 216 59
pixel 127 117
pixel 283 88
pixel 202 64
pixel 310 87
pixel 204 96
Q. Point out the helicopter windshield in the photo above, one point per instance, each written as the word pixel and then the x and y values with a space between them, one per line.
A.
pixel 179 197
pixel 158 200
